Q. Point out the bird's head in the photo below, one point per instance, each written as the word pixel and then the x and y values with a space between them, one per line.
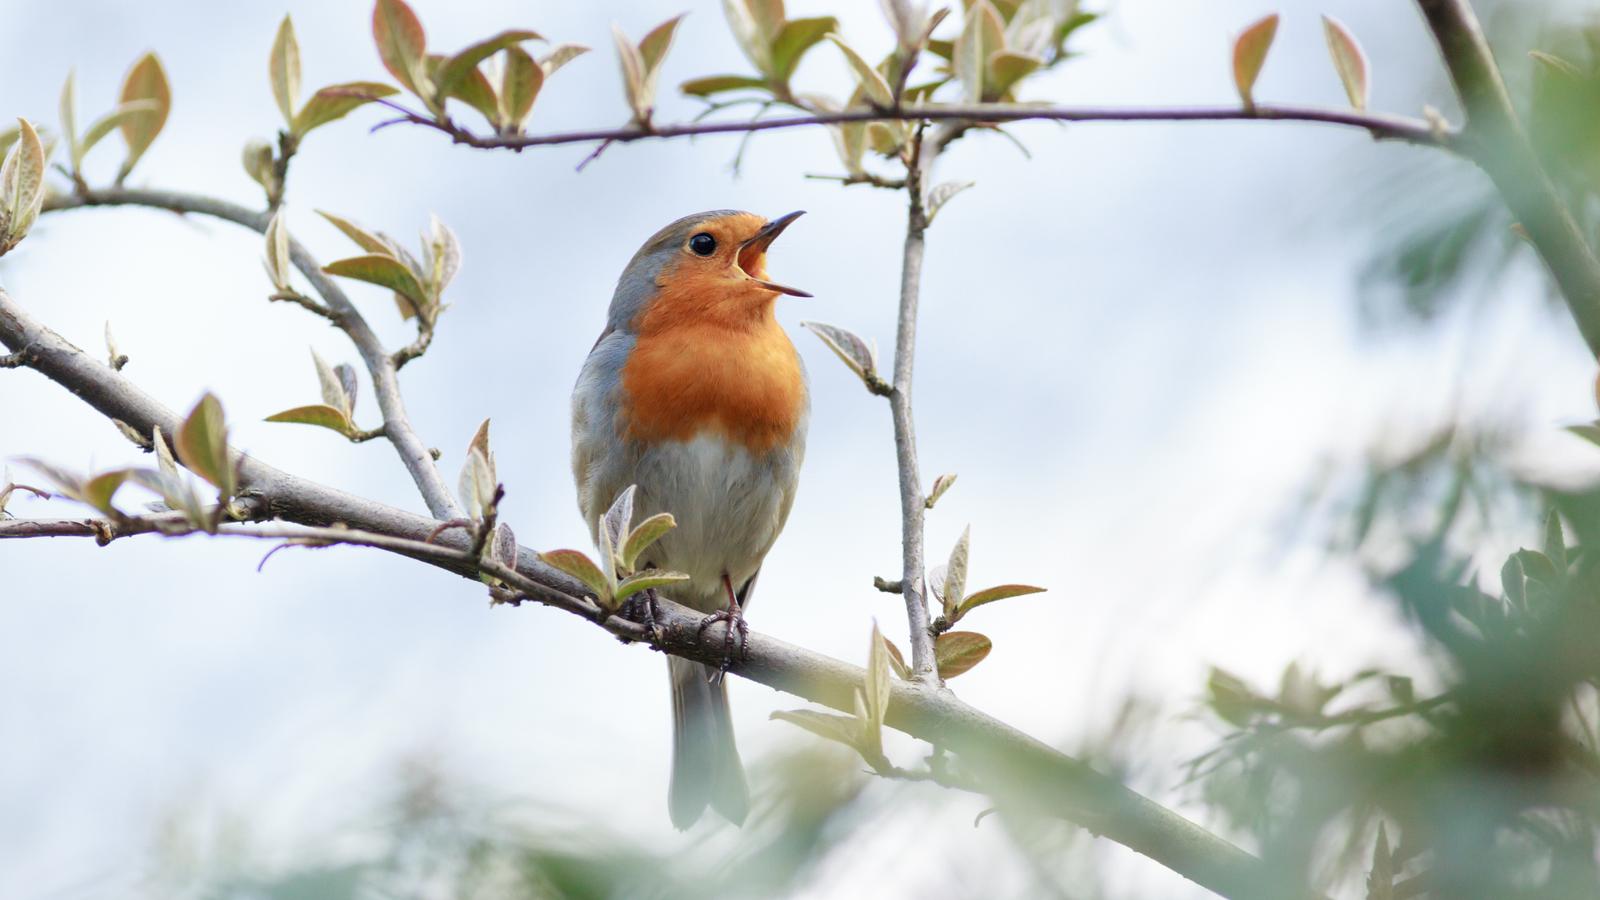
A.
pixel 711 265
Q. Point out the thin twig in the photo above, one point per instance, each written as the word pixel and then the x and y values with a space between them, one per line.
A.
pixel 1381 127
pixel 382 368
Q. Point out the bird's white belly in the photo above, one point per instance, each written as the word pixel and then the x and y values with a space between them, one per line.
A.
pixel 729 508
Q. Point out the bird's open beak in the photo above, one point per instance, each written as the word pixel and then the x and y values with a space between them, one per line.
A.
pixel 751 251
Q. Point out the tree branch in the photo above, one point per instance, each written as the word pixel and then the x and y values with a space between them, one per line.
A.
pixel 912 506
pixel 1495 138
pixel 1381 127
pixel 1017 768
pixel 383 368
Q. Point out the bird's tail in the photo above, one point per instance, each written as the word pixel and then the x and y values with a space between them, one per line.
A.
pixel 705 762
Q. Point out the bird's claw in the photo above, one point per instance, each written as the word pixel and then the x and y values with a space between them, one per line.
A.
pixel 733 618
pixel 643 609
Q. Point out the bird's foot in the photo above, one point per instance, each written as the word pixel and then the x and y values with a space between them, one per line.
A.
pixel 643 608
pixel 737 631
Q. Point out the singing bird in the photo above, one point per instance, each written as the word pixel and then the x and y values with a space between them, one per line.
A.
pixel 695 394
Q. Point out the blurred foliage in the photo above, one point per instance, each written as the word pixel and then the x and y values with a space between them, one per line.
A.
pixel 1451 238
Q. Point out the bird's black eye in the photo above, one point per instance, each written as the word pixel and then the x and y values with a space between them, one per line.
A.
pixel 703 244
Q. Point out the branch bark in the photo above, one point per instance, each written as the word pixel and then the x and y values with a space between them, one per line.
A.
pixel 1496 140
pixel 913 585
pixel 383 369
pixel 1016 768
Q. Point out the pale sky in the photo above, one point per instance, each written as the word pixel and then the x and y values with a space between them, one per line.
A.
pixel 1136 349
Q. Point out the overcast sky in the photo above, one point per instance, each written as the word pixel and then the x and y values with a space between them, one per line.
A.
pixel 1136 348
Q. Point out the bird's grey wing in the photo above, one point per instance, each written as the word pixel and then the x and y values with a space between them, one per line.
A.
pixel 601 460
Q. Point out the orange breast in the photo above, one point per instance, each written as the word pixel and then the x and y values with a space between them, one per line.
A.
pixel 719 363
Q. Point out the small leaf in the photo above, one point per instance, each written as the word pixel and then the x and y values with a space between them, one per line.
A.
pixel 795 38
pixel 955 579
pixel 21 186
pixel 321 416
pixel 850 348
pixel 203 444
pixel 1590 433
pixel 69 118
pixel 647 580
pixel 1348 61
pixel 958 651
pixel 581 567
pixel 456 69
pixel 1249 53
pixel 257 161
pixel 385 271
pixel 843 729
pixel 336 101
pixel 147 80
pixel 109 123
pixel 278 264
pixel 982 35
pixel 476 484
pixel 443 256
pixel 897 662
pixel 366 240
pixel 1007 68
pixel 284 69
pixel 1556 64
pixel 560 56
pixel 164 459
pixel 718 84
pixel 653 48
pixel 521 81
pixel 332 389
pixel 401 43
pixel 940 485
pixel 943 193
pixel 632 75
pixel 69 483
pixel 749 34
pixel 115 358
pixel 503 548
pixel 1555 543
pixel 876 89
pixel 876 689
pixel 618 520
pixel 646 533
pixel 347 380
pixel 936 577
pixel 1380 880
pixel 608 558
pixel 990 595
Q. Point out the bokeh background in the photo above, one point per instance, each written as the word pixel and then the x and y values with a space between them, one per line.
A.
pixel 1160 357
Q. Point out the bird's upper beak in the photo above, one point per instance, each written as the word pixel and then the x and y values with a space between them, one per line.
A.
pixel 751 252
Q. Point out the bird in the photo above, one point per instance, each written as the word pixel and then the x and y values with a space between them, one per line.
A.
pixel 696 395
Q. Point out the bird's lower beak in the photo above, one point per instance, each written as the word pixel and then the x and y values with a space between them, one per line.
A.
pixel 752 251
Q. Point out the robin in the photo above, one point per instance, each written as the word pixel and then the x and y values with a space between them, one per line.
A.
pixel 695 394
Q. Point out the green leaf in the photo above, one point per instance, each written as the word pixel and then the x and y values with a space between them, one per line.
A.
pixel 277 257
pixel 283 67
pixel 579 566
pixel 99 490
pixel 654 45
pixel 1590 433
pixel 520 82
pixel 164 459
pixel 560 56
pixel 385 271
pixel 202 444
pixel 749 34
pixel 876 89
pixel 618 520
pixel 648 579
pixel 1555 543
pixel 646 533
pixel 69 118
pixel 981 36
pixel 108 123
pixel 332 388
pixel 875 692
pixel 897 662
pixel 319 415
pixel 854 352
pixel 21 186
pixel 844 729
pixel 943 193
pixel 401 43
pixel 955 578
pixel 1348 61
pixel 456 68
pixel 940 485
pixel 990 595
pixel 147 80
pixel 473 90
pixel 336 101
pixel 69 483
pixel 1249 53
pixel 1007 68
pixel 958 651
pixel 796 37
pixel 366 240
pixel 718 84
